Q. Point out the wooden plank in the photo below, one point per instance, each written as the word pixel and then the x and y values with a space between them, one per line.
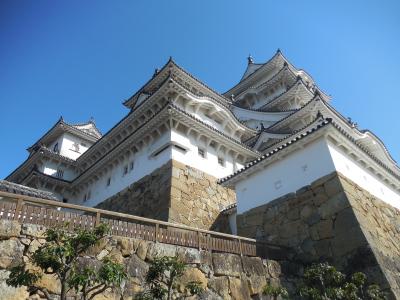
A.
pixel 27 213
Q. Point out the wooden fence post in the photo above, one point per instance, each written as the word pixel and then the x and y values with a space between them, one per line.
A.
pixel 199 239
pixel 20 203
pixel 156 233
pixel 98 219
pixel 240 247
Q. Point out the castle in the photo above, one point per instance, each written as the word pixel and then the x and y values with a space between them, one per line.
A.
pixel 269 159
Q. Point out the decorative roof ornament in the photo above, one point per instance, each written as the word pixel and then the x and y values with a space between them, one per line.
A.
pixel 320 115
pixel 156 71
pixel 278 50
pixel 91 120
pixel 233 98
pixel 250 59
pixel 352 124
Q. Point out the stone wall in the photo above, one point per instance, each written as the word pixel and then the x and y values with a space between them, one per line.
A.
pixel 222 275
pixel 175 193
pixel 148 197
pixel 197 199
pixel 333 220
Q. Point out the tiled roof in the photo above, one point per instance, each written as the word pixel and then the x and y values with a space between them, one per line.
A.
pixel 276 150
pixel 229 209
pixel 11 187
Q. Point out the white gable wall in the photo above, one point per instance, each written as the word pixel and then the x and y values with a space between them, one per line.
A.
pixel 67 146
pixel 365 179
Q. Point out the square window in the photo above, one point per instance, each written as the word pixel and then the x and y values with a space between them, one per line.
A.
pixel 131 165
pixel 201 152
pixel 108 181
pixel 125 171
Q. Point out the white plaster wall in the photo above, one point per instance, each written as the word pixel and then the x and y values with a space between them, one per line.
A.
pixel 144 164
pixel 209 164
pixel 368 181
pixel 287 175
pixel 232 223
pixel 50 168
pixel 67 149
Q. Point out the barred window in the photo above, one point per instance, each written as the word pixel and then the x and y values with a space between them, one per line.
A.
pixel 60 173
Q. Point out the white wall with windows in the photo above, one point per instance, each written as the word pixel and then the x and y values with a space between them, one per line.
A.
pixel 171 145
pixel 284 176
pixel 127 171
pixel 58 170
pixel 301 168
pixel 203 157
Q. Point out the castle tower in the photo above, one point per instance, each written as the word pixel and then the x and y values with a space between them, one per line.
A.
pixel 321 185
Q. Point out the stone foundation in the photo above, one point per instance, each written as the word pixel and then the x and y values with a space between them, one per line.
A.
pixel 222 275
pixel 334 220
pixel 176 193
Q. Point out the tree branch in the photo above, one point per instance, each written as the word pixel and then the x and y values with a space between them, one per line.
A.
pixel 44 291
pixel 98 292
pixel 95 287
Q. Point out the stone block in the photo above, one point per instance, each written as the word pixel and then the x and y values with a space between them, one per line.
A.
pixel 306 211
pixel 136 267
pixel 227 264
pixel 141 250
pixel 191 274
pixel 220 285
pixel 333 187
pixel 8 292
pixel 9 228
pixel 156 250
pixel 188 255
pixel 253 266
pixel 344 221
pixel 334 205
pixel 50 282
pixel 239 289
pixel 33 230
pixel 11 252
pixel 324 229
pixel 256 284
pixel 273 267
pixel 126 246
pixel 320 181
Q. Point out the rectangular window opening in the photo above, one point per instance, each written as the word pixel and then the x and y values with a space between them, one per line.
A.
pixel 201 152
pixel 125 171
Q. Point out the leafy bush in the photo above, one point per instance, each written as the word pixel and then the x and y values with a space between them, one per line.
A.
pixel 323 282
pixel 275 291
pixel 59 256
pixel 161 278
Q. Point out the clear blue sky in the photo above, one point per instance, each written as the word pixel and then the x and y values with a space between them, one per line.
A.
pixel 83 58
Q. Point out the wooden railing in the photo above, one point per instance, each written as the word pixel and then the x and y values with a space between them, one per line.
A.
pixel 26 209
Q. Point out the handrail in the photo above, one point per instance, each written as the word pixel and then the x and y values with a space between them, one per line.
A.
pixel 100 212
